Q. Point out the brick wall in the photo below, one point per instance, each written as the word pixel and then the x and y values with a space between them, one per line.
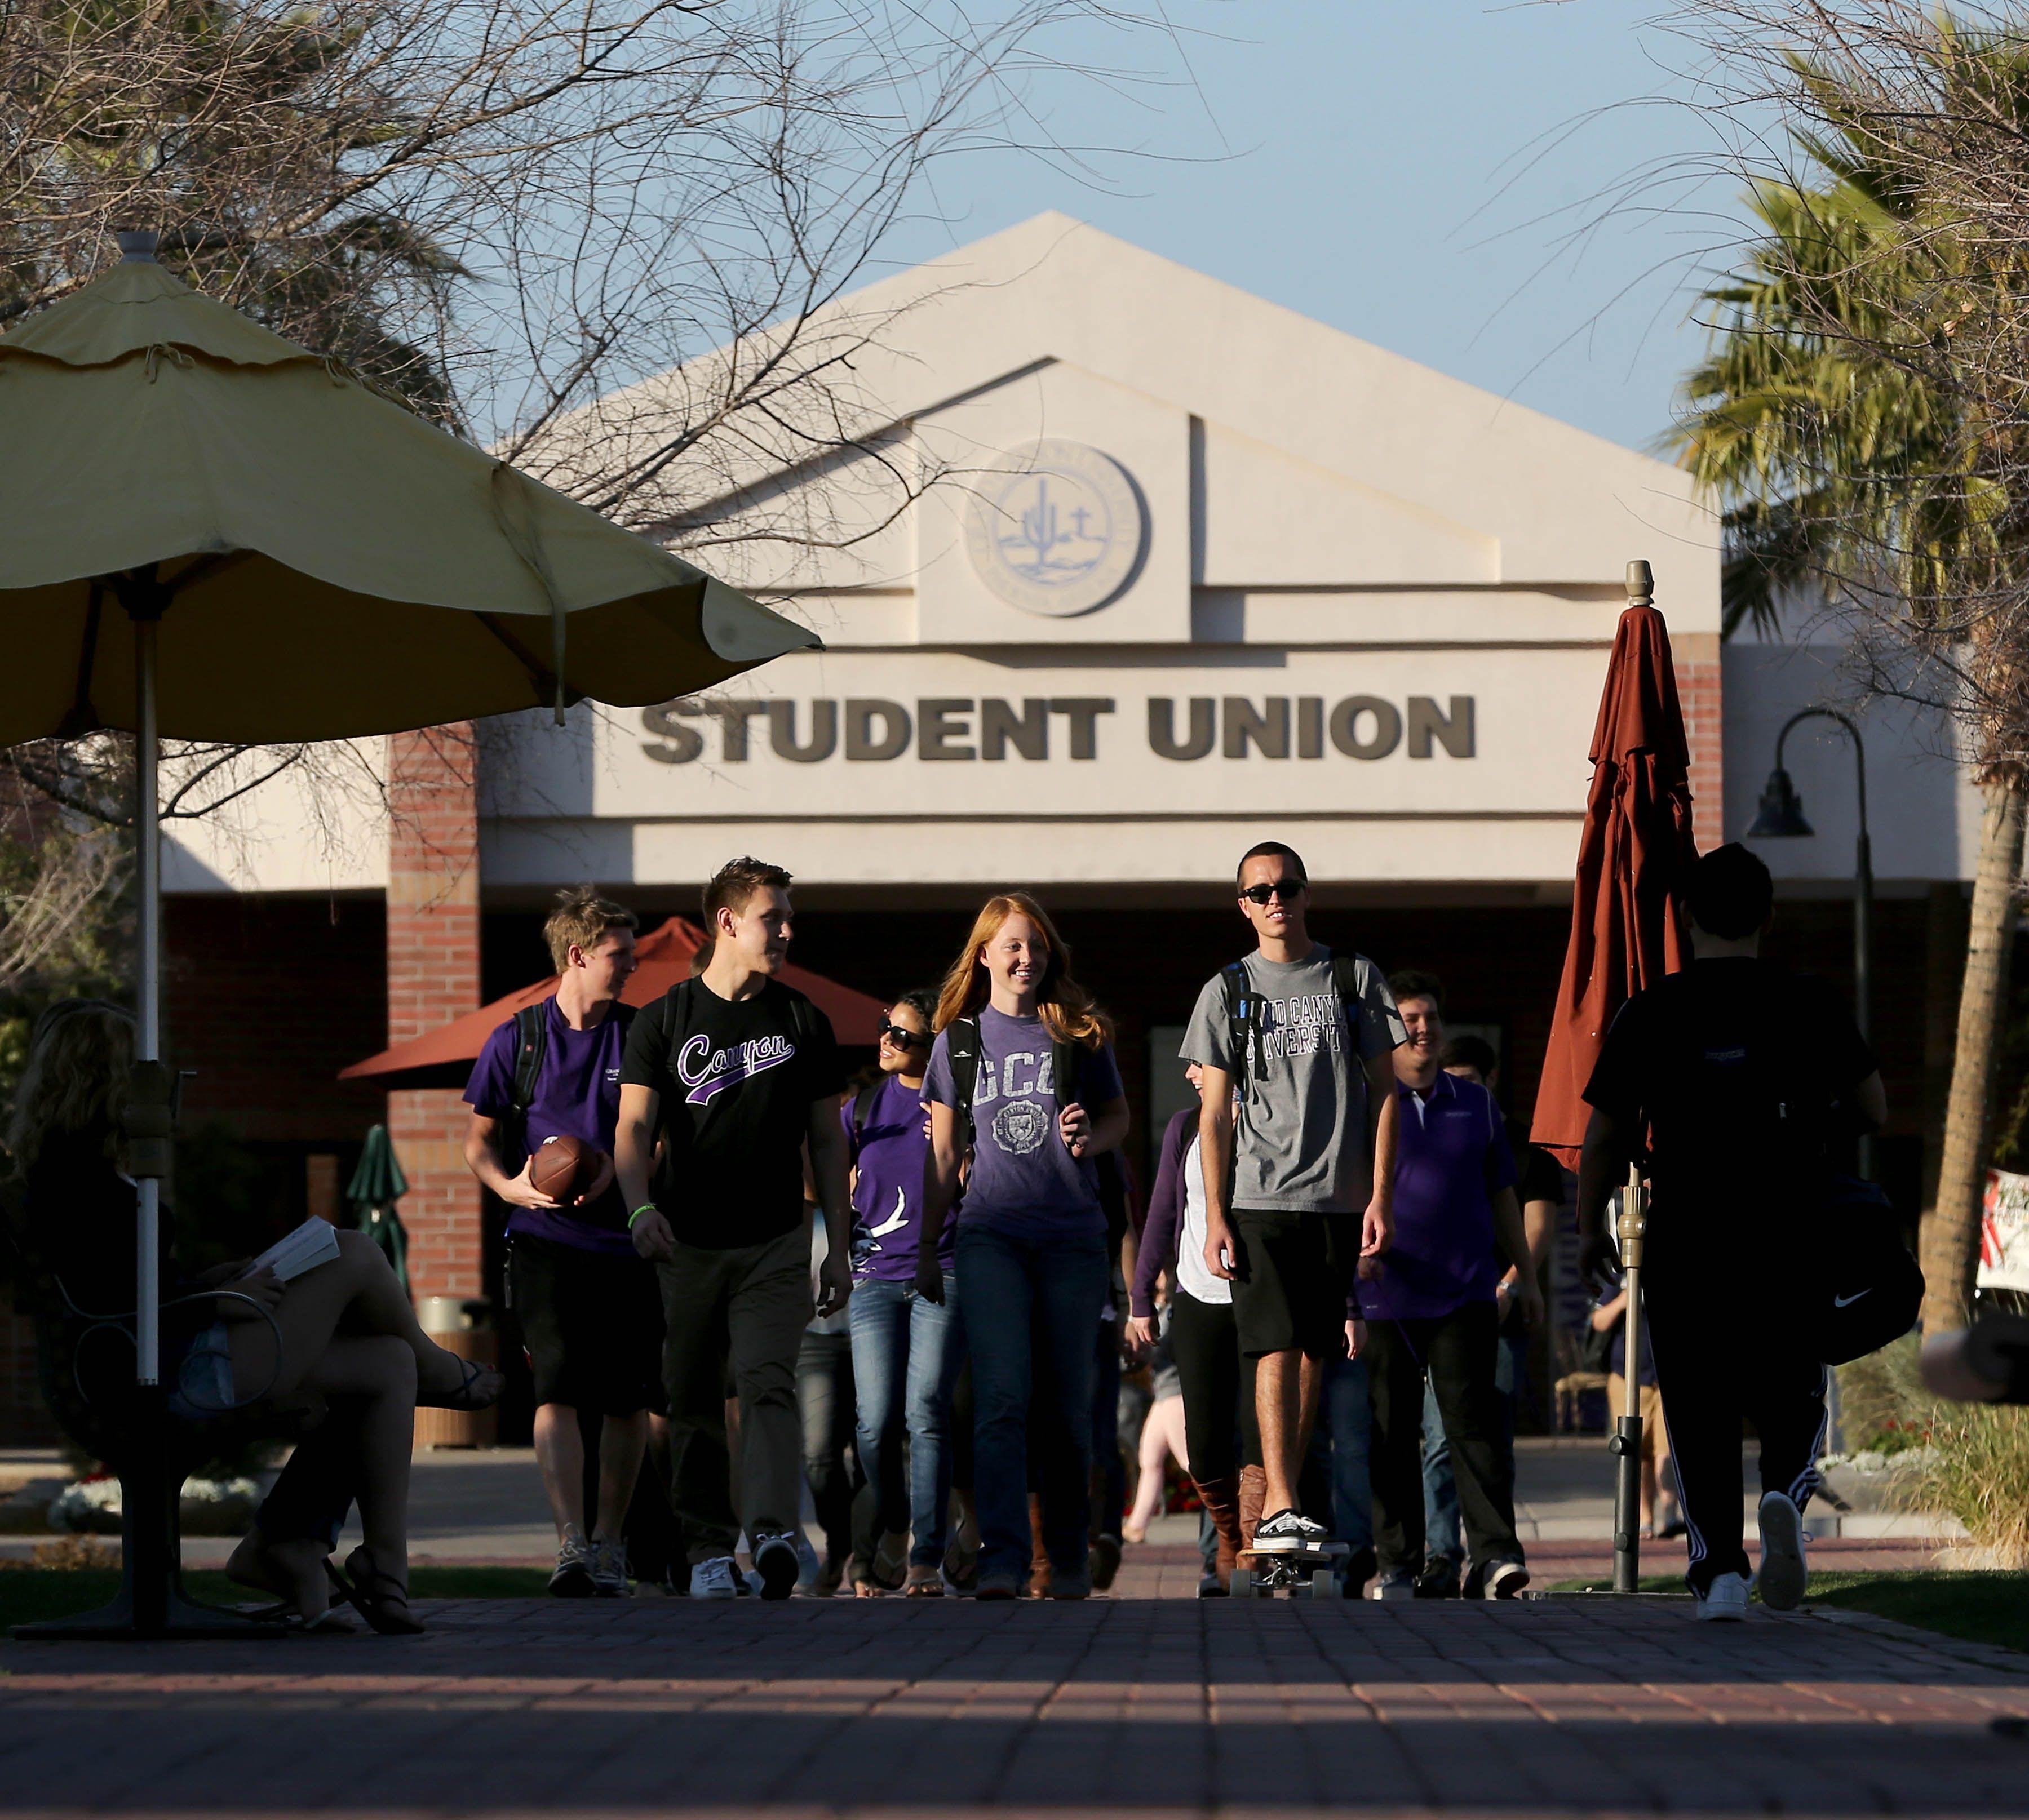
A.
pixel 433 976
pixel 1700 688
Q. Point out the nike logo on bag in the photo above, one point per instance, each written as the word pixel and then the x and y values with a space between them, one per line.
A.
pixel 1845 1301
pixel 895 1221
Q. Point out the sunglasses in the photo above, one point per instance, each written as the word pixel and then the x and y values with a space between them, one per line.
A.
pixel 1287 889
pixel 903 1039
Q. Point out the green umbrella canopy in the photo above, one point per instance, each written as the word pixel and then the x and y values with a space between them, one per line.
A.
pixel 323 563
pixel 378 1181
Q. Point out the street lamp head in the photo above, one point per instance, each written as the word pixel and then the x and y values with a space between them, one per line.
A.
pixel 1781 817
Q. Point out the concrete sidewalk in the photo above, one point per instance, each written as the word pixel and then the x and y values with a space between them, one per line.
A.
pixel 1148 1703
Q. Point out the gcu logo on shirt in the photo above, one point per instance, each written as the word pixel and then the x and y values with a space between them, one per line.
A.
pixel 1021 1075
pixel 706 1071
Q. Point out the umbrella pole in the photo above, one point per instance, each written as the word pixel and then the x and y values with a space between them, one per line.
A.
pixel 1626 1445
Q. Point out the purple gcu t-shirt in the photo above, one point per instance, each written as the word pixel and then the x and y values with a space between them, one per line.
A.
pixel 888 1193
pixel 1451 1158
pixel 577 1094
pixel 1023 1181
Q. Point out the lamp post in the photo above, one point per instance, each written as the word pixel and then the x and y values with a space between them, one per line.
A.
pixel 1781 818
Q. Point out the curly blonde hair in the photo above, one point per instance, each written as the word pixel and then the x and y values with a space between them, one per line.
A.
pixel 76 1081
pixel 1069 1012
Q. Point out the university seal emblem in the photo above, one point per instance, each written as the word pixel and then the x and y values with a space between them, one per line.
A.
pixel 1057 531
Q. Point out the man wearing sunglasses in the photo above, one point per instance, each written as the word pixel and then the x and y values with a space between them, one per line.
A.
pixel 1297 1183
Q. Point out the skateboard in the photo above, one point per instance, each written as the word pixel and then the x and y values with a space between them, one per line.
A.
pixel 1317 1573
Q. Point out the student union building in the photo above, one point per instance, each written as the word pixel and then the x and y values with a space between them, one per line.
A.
pixel 1200 572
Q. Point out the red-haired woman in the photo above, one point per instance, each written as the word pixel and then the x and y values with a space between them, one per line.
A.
pixel 1022 1079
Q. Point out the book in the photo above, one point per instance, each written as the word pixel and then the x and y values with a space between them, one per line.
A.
pixel 314 1242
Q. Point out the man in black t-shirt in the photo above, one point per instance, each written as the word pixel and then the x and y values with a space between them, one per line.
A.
pixel 1742 1075
pixel 735 1073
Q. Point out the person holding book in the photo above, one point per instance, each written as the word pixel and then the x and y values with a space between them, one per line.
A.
pixel 323 1316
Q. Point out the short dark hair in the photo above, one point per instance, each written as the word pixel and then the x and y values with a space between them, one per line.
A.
pixel 1470 1051
pixel 1729 893
pixel 1269 850
pixel 735 882
pixel 1408 985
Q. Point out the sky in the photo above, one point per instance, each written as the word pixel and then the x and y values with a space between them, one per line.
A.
pixel 1412 171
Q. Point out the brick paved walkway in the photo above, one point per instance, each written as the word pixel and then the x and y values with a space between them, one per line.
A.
pixel 1149 1704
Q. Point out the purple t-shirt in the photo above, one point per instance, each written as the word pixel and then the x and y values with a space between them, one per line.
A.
pixel 577 1094
pixel 1023 1181
pixel 888 1193
pixel 1451 1158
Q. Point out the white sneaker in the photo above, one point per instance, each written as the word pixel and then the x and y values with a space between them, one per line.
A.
pixel 713 1579
pixel 1785 1568
pixel 1725 1599
pixel 608 1568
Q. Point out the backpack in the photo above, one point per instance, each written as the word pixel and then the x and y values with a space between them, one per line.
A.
pixel 1243 1018
pixel 862 1108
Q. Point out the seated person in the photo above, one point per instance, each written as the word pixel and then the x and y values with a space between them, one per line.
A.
pixel 344 1329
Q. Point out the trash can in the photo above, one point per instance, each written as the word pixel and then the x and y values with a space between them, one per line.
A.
pixel 465 1327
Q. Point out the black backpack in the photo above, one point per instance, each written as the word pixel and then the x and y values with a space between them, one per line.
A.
pixel 531 1046
pixel 1864 1289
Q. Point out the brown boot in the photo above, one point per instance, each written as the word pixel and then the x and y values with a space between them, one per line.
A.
pixel 1253 1495
pixel 1221 1498
pixel 1039 1559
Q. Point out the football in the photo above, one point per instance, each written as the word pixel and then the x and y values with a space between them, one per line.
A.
pixel 558 1163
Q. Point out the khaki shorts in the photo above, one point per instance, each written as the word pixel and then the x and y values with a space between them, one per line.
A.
pixel 1653 1440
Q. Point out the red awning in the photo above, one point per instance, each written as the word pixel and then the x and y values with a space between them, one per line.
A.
pixel 665 956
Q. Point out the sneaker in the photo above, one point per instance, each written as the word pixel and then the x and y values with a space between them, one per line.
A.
pixel 1439 1579
pixel 1070 1586
pixel 1102 1560
pixel 999 1586
pixel 1287 1531
pixel 1725 1599
pixel 1785 1570
pixel 573 1578
pixel 775 1563
pixel 609 1570
pixel 717 1578
pixel 1503 1580
pixel 1397 1583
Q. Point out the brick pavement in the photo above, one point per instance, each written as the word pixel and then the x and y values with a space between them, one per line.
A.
pixel 1148 1703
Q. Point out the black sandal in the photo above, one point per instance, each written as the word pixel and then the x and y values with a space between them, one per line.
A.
pixel 464 1397
pixel 375 1596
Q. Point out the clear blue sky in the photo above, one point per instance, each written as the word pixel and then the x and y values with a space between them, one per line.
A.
pixel 1386 166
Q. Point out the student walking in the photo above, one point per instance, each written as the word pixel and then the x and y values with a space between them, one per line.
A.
pixel 727 1078
pixel 585 1302
pixel 1743 1075
pixel 1297 1183
pixel 1022 1081
pixel 906 1347
pixel 1221 1435
pixel 1432 1309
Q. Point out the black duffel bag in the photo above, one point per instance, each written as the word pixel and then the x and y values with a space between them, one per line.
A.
pixel 1865 1289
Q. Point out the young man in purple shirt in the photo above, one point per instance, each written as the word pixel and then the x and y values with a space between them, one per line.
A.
pixel 1430 1310
pixel 586 1304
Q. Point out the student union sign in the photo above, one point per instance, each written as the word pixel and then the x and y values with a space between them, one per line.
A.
pixel 994 729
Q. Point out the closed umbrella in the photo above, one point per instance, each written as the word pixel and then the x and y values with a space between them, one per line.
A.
pixel 210 533
pixel 377 1184
pixel 1627 930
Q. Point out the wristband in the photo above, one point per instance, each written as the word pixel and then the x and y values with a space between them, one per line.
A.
pixel 645 1207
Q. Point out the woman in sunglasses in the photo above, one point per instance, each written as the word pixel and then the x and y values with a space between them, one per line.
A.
pixel 905 1347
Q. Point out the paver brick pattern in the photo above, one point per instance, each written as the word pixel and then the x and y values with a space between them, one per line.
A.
pixel 1147 1704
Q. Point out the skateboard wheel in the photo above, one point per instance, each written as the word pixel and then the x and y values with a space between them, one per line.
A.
pixel 1325 1585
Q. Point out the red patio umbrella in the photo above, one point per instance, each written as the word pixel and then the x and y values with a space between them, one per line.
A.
pixel 1628 929
pixel 665 955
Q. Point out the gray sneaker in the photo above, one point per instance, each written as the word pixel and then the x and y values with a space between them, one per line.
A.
pixel 573 1578
pixel 609 1569
pixel 714 1579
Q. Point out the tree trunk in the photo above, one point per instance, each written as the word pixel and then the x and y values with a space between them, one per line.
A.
pixel 1951 1237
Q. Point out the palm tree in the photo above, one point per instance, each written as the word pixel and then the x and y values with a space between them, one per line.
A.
pixel 1842 421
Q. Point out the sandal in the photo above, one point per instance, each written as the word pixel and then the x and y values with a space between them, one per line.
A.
pixel 465 1397
pixel 379 1598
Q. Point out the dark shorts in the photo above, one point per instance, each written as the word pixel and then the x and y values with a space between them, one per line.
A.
pixel 1289 1291
pixel 591 1325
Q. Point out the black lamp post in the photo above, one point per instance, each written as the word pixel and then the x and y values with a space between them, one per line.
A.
pixel 1781 818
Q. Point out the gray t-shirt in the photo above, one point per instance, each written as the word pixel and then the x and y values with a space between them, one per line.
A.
pixel 1301 1140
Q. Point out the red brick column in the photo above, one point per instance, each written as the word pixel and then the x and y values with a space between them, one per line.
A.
pixel 1700 688
pixel 432 977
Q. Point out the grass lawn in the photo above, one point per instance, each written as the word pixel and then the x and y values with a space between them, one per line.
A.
pixel 1979 1607
pixel 27 1595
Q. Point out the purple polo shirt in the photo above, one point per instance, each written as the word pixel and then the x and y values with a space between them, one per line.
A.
pixel 1451 1158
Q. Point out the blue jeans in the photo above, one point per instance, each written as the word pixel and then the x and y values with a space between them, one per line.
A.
pixel 1030 1308
pixel 1441 1532
pixel 905 1361
pixel 1348 1418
